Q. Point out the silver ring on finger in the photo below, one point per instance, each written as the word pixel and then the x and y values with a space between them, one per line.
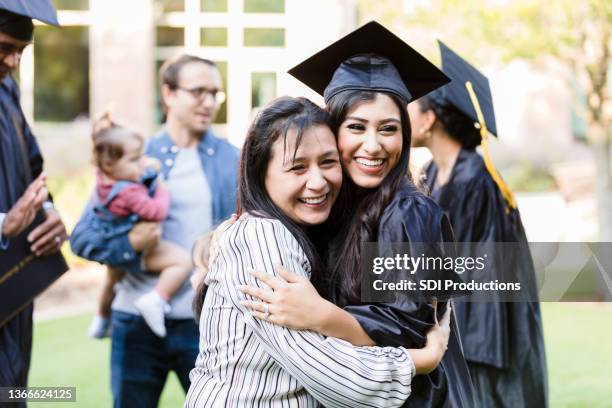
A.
pixel 58 239
pixel 266 310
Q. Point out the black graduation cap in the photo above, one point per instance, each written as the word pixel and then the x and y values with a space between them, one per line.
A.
pixel 370 58
pixel 16 16
pixel 456 93
pixel 469 92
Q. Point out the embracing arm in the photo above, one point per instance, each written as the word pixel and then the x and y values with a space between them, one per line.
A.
pixel 339 323
pixel 333 371
pixel 294 303
pixel 343 325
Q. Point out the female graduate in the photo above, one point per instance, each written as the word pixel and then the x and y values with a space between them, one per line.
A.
pixel 502 341
pixel 367 78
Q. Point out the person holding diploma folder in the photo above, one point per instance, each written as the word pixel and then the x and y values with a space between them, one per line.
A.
pixel 31 231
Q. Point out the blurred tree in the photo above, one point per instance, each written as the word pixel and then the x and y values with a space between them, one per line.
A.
pixel 577 33
pixel 61 75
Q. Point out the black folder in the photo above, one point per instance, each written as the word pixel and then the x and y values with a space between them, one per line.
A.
pixel 23 275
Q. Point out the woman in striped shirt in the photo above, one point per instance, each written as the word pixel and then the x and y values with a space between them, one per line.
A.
pixel 290 177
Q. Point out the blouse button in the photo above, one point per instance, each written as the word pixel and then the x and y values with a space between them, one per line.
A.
pixel 168 162
pixel 210 151
pixel 174 149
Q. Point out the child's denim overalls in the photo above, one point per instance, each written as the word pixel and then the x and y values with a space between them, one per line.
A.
pixel 98 225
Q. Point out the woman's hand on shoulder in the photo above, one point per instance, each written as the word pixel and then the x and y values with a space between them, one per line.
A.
pixel 292 301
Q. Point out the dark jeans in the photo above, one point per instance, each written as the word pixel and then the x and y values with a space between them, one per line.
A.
pixel 140 361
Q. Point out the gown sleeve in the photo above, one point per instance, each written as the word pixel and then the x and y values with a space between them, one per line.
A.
pixel 477 213
pixel 353 376
pixel 13 121
pixel 416 219
pixel 405 322
pixel 34 155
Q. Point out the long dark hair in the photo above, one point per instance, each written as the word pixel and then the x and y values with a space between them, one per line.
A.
pixel 365 210
pixel 273 122
pixel 457 124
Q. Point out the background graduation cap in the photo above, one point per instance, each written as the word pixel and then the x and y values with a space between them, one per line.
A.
pixel 469 92
pixel 16 17
pixel 370 58
pixel 457 94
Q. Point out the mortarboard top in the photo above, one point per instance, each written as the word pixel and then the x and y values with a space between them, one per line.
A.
pixel 456 93
pixel 41 10
pixel 370 58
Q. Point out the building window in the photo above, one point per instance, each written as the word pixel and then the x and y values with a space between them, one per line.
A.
pixel 264 6
pixel 160 116
pixel 169 6
pixel 264 37
pixel 214 37
pixel 61 73
pixel 214 6
pixel 263 88
pixel 170 36
pixel 71 4
pixel 222 115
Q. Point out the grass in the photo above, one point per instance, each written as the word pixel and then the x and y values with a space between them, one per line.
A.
pixel 64 356
pixel 577 344
pixel 579 354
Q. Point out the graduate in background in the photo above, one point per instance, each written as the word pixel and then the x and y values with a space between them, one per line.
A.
pixel 502 341
pixel 22 191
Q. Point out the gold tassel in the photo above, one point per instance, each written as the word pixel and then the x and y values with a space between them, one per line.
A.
pixel 484 134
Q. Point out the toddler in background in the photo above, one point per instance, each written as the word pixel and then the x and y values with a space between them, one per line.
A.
pixel 129 190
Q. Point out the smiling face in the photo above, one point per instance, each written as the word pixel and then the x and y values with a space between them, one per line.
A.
pixel 194 112
pixel 305 188
pixel 370 140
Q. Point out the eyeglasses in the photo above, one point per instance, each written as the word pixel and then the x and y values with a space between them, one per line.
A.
pixel 200 93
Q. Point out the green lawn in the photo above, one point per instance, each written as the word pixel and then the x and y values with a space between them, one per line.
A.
pixel 579 351
pixel 578 342
pixel 63 355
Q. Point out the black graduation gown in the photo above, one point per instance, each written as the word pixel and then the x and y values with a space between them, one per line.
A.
pixel 16 334
pixel 502 341
pixel 411 217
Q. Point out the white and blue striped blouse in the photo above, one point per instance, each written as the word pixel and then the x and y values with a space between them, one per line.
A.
pixel 246 362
